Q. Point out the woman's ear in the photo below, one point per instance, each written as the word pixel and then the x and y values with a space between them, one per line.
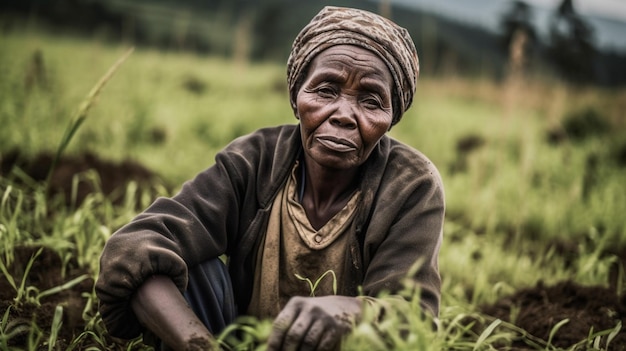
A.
pixel 294 106
pixel 295 111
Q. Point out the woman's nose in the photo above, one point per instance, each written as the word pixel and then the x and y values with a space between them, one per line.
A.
pixel 345 114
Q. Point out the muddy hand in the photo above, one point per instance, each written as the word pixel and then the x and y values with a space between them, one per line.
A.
pixel 313 323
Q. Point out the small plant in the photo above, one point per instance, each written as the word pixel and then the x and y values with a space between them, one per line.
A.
pixel 245 334
pixel 22 291
pixel 313 285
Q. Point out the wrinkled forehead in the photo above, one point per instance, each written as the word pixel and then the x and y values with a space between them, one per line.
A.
pixel 350 59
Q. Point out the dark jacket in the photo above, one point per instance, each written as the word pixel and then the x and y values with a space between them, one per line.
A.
pixel 224 210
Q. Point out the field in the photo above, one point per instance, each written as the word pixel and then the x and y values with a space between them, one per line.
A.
pixel 535 236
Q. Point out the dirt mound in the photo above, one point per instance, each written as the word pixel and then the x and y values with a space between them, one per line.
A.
pixel 537 310
pixel 112 179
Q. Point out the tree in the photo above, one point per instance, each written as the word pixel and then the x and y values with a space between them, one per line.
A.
pixel 571 44
pixel 518 35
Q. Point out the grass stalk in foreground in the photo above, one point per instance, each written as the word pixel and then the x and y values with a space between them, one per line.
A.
pixel 83 110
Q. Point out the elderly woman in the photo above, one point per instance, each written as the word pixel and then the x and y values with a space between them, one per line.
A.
pixel 333 193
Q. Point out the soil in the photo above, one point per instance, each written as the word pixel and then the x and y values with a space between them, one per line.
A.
pixel 45 273
pixel 48 269
pixel 536 310
pixel 539 309
pixel 112 177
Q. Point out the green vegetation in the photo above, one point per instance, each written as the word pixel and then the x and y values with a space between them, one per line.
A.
pixel 531 197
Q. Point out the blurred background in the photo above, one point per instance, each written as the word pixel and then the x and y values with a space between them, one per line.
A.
pixel 520 104
pixel 580 41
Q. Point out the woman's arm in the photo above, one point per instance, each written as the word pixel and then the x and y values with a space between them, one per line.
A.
pixel 162 309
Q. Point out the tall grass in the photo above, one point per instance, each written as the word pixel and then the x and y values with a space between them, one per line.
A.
pixel 83 111
pixel 511 199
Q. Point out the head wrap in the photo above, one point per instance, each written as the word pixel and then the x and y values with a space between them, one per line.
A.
pixel 337 26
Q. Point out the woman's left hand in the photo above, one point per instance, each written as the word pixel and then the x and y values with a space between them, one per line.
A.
pixel 314 323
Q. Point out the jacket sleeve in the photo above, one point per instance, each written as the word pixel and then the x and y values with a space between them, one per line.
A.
pixel 405 233
pixel 170 235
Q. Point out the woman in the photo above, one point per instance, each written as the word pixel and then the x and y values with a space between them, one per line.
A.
pixel 332 199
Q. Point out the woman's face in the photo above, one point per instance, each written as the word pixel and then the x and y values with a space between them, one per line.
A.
pixel 344 106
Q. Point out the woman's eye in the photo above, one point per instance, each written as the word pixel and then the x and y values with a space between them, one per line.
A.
pixel 326 92
pixel 372 103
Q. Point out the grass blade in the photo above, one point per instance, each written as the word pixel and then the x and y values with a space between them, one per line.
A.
pixel 58 289
pixel 83 110
pixel 21 291
pixel 57 321
pixel 485 334
pixel 556 329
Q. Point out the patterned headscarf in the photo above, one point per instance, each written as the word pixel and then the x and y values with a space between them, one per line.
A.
pixel 338 25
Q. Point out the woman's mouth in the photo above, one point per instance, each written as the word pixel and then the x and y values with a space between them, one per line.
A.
pixel 337 144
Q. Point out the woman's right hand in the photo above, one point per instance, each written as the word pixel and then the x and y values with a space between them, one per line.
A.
pixel 314 323
pixel 162 309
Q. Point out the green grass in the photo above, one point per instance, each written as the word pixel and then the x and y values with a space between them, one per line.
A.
pixel 513 199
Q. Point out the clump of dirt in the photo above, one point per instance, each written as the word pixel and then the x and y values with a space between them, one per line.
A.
pixel 465 146
pixel 112 179
pixel 579 125
pixel 538 309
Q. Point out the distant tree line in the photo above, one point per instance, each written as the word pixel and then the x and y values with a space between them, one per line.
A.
pixel 254 30
pixel 570 49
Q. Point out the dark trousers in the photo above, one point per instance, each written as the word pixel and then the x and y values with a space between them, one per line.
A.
pixel 210 295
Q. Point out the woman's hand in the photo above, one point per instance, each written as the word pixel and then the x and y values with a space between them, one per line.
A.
pixel 162 309
pixel 314 323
